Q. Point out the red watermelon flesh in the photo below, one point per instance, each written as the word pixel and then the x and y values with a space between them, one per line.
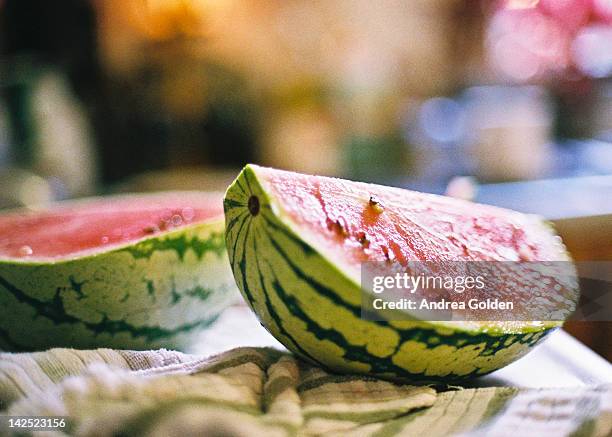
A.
pixel 407 225
pixel 92 225
pixel 352 223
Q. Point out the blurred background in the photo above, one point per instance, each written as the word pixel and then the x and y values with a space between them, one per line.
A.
pixel 508 102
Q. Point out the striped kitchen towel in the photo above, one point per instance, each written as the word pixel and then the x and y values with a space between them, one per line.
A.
pixel 265 392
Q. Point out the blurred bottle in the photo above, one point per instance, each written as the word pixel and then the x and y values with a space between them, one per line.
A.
pixel 511 130
pixel 49 153
pixel 48 52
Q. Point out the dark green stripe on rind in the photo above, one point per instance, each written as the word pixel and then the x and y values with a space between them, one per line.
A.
pixel 7 343
pixel 255 244
pixel 270 307
pixel 55 311
pixel 319 288
pixel 180 244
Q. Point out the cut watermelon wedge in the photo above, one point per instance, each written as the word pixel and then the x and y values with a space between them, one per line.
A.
pixel 133 271
pixel 297 244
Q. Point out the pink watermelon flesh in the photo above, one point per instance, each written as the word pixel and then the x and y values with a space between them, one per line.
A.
pixel 357 222
pixel 97 225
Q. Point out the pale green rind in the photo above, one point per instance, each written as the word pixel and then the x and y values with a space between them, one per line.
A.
pixel 309 305
pixel 157 292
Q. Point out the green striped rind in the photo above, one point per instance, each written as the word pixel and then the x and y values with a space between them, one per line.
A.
pixel 314 309
pixel 159 292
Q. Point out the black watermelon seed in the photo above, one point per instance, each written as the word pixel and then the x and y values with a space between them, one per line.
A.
pixel 254 205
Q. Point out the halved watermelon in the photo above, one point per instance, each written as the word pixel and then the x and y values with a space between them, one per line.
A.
pixel 132 271
pixel 296 244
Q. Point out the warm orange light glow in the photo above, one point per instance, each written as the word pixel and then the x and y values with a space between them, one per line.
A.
pixel 167 19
